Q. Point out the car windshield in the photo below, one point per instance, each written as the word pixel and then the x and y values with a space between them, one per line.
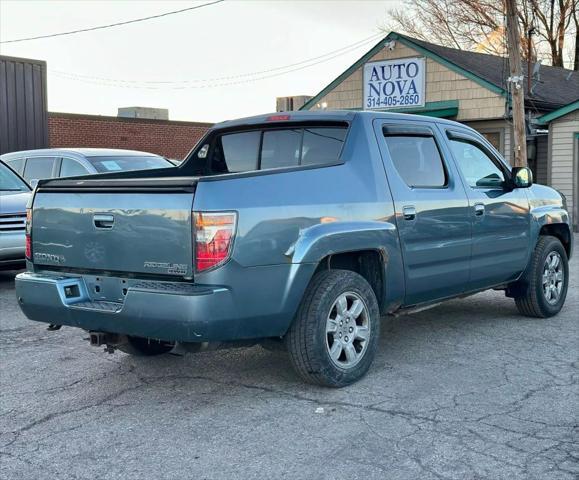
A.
pixel 10 182
pixel 130 162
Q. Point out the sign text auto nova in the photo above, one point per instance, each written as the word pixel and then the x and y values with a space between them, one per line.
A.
pixel 398 83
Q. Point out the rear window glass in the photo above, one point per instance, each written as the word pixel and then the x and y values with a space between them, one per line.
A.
pixel 71 168
pixel 281 148
pixel 417 160
pixel 236 152
pixel 132 162
pixel 322 145
pixel 272 148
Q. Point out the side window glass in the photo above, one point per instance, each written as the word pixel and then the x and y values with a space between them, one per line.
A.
pixel 38 168
pixel 17 165
pixel 322 145
pixel 281 148
pixel 417 160
pixel 71 168
pixel 236 152
pixel 476 166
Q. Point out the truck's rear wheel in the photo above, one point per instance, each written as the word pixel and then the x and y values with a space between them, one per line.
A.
pixel 546 280
pixel 145 347
pixel 334 337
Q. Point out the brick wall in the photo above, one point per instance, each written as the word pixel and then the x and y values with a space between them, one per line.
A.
pixel 171 139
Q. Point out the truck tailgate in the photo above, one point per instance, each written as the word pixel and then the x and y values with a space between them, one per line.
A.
pixel 134 232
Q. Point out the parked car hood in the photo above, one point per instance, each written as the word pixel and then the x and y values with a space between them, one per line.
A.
pixel 13 202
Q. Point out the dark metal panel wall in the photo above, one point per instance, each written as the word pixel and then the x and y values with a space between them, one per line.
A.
pixel 23 104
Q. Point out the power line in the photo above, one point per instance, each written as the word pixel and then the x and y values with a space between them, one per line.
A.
pixel 130 83
pixel 118 24
pixel 283 70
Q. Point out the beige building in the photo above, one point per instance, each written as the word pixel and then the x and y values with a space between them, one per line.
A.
pixel 403 74
pixel 287 104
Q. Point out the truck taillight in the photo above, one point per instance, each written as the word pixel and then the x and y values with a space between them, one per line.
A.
pixel 28 247
pixel 214 233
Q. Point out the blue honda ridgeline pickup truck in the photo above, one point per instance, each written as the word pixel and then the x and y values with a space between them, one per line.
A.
pixel 297 229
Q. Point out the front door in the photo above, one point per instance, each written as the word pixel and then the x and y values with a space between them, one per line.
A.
pixel 499 214
pixel 431 210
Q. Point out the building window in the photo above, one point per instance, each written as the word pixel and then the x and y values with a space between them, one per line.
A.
pixel 494 139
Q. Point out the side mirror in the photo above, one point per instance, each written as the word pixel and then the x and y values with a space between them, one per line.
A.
pixel 522 177
pixel 33 182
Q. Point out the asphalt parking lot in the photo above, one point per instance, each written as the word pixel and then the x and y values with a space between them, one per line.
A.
pixel 467 390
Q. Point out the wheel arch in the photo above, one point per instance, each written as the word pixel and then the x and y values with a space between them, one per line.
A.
pixel 370 248
pixel 368 263
pixel 562 231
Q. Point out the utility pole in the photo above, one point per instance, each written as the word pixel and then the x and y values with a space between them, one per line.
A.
pixel 530 33
pixel 516 81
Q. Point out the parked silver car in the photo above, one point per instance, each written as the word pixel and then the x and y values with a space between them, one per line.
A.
pixel 34 165
pixel 14 194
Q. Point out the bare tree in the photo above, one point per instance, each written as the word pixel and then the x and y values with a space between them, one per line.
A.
pixel 479 24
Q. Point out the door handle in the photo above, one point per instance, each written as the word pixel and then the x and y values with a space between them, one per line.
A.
pixel 409 212
pixel 479 209
pixel 103 221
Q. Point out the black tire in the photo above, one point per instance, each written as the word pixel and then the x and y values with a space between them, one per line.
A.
pixel 307 339
pixel 532 302
pixel 145 347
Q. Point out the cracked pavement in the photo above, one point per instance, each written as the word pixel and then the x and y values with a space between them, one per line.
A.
pixel 466 390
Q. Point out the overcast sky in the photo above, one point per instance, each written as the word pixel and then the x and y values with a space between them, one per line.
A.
pixel 224 40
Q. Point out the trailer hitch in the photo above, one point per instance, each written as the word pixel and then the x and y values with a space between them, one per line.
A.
pixel 104 339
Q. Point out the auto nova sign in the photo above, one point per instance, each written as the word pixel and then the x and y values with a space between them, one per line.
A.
pixel 395 83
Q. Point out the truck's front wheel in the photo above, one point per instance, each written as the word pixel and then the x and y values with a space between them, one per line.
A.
pixel 545 281
pixel 334 337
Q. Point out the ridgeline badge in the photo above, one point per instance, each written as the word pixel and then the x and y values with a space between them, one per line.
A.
pixel 170 268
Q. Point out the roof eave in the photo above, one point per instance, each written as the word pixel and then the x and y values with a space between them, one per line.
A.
pixel 555 114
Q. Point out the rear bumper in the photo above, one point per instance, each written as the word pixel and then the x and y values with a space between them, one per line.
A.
pixel 259 306
pixel 184 313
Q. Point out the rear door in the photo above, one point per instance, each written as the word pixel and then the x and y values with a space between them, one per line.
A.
pixel 431 210
pixel 499 214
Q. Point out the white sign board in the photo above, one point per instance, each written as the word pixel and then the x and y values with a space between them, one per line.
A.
pixel 395 83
